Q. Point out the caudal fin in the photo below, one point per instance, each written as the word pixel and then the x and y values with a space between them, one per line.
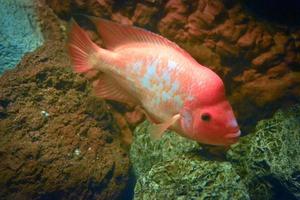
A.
pixel 82 50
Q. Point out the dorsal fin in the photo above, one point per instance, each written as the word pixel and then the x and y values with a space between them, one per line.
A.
pixel 116 35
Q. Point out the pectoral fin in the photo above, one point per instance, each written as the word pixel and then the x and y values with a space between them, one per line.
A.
pixel 107 88
pixel 156 130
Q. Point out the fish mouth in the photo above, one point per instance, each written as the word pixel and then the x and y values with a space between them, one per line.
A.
pixel 233 137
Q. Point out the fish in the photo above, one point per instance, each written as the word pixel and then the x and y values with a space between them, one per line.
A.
pixel 141 68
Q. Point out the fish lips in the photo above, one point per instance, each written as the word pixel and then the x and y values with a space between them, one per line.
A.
pixel 233 137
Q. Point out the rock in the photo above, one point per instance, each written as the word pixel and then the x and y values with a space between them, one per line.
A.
pixel 210 10
pixel 169 147
pixel 248 76
pixel 265 41
pixel 62 8
pixel 278 71
pixel 43 151
pixel 75 151
pixel 280 39
pixel 258 90
pixel 266 59
pixel 229 31
pixel 262 157
pixel 174 20
pixel 13 42
pixel 255 93
pixel 206 56
pixel 143 15
pixel 249 38
pixel 226 50
pixel 172 168
pixel 118 17
pixel 237 15
pixel 103 8
pixel 202 19
pixel 56 155
pixel 189 178
pixel 176 6
pixel 290 58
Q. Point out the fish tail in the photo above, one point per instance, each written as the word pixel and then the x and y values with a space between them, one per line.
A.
pixel 84 53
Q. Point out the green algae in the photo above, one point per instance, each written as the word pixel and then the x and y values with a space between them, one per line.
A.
pixel 263 165
pixel 191 178
pixel 172 168
pixel 270 157
pixel 146 152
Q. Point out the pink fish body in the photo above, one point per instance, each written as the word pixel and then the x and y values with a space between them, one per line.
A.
pixel 142 68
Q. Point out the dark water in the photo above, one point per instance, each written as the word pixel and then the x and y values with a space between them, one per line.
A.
pixel 281 12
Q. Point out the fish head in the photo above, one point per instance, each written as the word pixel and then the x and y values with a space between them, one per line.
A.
pixel 207 116
pixel 212 124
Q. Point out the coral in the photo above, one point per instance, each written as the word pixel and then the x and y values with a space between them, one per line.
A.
pixel 270 158
pixel 20 32
pixel 173 169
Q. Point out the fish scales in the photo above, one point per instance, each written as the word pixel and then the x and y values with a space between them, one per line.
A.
pixel 144 69
pixel 154 79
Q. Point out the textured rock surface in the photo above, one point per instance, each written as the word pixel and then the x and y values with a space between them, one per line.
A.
pixel 264 163
pixel 269 159
pixel 190 178
pixel 253 57
pixel 20 32
pixel 172 168
pixel 57 140
pixel 145 152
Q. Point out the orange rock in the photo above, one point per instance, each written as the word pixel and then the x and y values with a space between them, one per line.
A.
pixel 249 38
pixel 118 17
pixel 143 14
pixel 211 9
pixel 229 31
pixel 226 49
pixel 248 76
pixel 176 6
pixel 266 59
pixel 175 19
pixel 237 15
pixel 278 70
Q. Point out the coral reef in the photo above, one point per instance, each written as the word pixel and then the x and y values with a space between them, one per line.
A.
pixel 20 32
pixel 57 140
pixel 269 159
pixel 173 168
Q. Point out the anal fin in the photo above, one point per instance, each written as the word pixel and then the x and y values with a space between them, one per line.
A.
pixel 107 88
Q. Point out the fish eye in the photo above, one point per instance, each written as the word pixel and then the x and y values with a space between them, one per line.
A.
pixel 206 117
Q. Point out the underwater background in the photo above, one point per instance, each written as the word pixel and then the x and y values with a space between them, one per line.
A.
pixel 58 141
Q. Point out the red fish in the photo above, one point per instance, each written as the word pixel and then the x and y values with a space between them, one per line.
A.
pixel 142 68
